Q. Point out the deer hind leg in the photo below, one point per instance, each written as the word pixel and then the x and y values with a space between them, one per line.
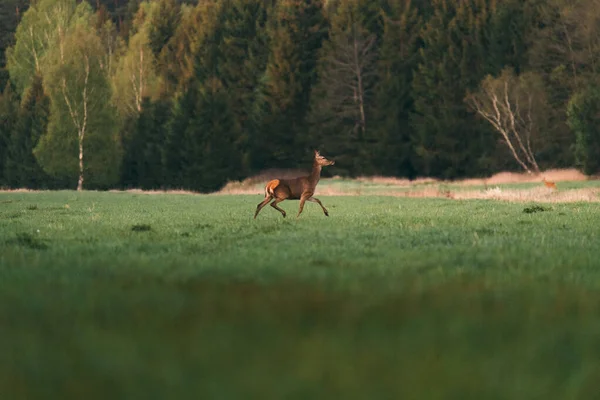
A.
pixel 274 205
pixel 261 205
pixel 315 200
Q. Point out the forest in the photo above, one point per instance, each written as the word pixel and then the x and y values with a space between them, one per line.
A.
pixel 171 94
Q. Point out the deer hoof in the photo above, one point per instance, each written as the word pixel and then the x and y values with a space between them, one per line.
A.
pixel 326 214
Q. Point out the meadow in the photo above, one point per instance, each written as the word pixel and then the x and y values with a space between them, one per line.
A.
pixel 154 296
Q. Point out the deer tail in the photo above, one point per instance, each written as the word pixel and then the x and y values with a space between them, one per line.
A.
pixel 270 188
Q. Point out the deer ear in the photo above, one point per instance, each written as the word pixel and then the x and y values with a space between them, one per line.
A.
pixel 316 152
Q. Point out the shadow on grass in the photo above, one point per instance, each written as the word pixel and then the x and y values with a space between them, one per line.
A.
pixel 141 228
pixel 27 240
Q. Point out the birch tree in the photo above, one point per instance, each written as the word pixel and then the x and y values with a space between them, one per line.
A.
pixel 136 77
pixel 515 107
pixel 42 25
pixel 81 120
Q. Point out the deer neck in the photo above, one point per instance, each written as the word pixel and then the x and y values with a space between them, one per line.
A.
pixel 315 175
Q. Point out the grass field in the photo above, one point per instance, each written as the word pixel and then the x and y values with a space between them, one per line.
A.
pixel 129 295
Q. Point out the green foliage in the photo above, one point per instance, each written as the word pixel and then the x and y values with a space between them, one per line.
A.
pixel 80 111
pixel 178 150
pixel 584 119
pixel 178 57
pixel 398 57
pixel 381 299
pixel 447 140
pixel 8 111
pixel 162 22
pixel 136 75
pixel 143 147
pixel 296 31
pixel 343 98
pixel 22 169
pixel 10 12
pixel 204 154
pixel 39 31
pixel 238 63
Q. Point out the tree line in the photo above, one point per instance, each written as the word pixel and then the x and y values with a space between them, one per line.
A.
pixel 186 94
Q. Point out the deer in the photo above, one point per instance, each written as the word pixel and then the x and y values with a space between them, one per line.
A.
pixel 549 185
pixel 301 188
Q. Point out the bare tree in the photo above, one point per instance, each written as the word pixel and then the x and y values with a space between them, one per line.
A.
pixel 513 105
pixel 345 75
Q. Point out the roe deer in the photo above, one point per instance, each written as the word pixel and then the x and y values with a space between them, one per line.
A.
pixel 550 185
pixel 295 189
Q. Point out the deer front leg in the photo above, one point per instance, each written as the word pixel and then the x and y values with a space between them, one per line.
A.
pixel 274 205
pixel 302 200
pixel 315 200
pixel 261 205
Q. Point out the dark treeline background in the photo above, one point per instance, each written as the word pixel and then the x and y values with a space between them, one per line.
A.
pixel 191 94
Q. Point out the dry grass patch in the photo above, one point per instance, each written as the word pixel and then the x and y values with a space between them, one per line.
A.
pixel 554 175
pixel 19 190
pixel 540 194
pixel 142 191
pixel 501 178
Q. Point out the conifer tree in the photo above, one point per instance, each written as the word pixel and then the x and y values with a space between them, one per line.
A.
pixel 342 99
pixel 447 140
pixel 22 169
pixel 143 146
pixel 8 112
pixel 296 32
pixel 398 58
pixel 201 151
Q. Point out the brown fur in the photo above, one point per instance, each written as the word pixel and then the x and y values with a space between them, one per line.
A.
pixel 301 188
pixel 550 185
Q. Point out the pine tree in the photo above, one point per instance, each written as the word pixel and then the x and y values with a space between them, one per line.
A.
pixel 191 59
pixel 583 118
pixel 8 112
pixel 342 100
pixel 10 13
pixel 176 148
pixel 240 62
pixel 201 152
pixel 178 57
pixel 22 169
pixel 143 150
pixel 296 32
pixel 391 151
pixel 213 137
pixel 447 139
pixel 229 62
pixel 163 20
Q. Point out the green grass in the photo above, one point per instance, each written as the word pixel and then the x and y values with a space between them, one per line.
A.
pixel 120 295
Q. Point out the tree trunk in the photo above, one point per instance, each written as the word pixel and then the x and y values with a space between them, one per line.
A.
pixel 80 181
pixel 84 123
pixel 361 105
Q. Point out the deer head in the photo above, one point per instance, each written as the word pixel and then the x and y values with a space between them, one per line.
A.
pixel 319 159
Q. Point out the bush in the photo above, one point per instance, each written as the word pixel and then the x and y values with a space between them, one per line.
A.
pixel 583 117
